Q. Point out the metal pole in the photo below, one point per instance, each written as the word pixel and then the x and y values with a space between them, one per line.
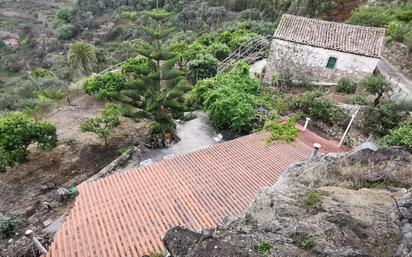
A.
pixel 306 124
pixel 36 243
pixel 316 148
pixel 347 129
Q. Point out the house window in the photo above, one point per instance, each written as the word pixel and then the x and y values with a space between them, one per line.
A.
pixel 331 63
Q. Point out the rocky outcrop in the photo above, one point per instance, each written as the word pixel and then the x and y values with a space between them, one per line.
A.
pixel 339 205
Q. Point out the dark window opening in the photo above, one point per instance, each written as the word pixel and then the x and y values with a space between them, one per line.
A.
pixel 331 63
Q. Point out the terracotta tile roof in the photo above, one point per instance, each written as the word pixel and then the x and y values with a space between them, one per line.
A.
pixel 342 37
pixel 126 214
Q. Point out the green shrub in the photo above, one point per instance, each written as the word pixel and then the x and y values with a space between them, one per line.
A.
pixel 282 131
pixel 312 199
pixel 7 227
pixel 401 136
pixel 346 86
pixel 379 121
pixel 374 16
pixel 305 243
pixel 230 109
pixel 263 248
pixel 105 86
pixel 315 105
pixel 102 124
pixel 360 100
pixel 219 50
pixel 65 14
pixel 398 29
pixel 67 32
pixel 231 99
pixel 18 131
pixel 325 111
pixel 203 67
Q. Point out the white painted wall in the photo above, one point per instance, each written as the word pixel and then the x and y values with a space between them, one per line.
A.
pixel 308 61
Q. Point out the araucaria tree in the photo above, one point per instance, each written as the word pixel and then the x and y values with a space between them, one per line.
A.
pixel 18 131
pixel 157 76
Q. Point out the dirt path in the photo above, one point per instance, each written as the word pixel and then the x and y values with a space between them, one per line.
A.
pixel 68 118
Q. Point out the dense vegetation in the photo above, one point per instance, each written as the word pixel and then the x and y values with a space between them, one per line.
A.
pixel 397 19
pixel 18 131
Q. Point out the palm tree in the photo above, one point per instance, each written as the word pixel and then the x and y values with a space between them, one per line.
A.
pixel 82 56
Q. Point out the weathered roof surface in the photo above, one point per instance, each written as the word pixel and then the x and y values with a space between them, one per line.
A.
pixel 126 214
pixel 342 37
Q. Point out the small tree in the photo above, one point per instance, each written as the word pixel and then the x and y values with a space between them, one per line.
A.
pixel 82 56
pixel 376 85
pixel 102 124
pixel 18 131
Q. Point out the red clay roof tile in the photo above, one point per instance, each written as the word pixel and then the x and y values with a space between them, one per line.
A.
pixel 126 214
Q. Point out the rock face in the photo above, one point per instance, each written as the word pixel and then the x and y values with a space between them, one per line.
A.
pixel 339 205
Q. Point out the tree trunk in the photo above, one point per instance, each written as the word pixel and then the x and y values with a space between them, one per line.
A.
pixel 378 99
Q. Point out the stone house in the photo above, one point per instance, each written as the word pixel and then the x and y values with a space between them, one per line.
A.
pixel 323 51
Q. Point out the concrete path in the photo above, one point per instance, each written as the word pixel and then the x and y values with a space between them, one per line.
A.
pixel 402 85
pixel 194 135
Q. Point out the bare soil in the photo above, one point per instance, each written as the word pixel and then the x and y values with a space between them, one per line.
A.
pixel 25 188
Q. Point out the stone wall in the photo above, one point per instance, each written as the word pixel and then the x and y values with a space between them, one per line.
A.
pixel 400 56
pixel 309 62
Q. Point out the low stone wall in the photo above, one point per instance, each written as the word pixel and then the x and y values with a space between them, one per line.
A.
pixel 400 56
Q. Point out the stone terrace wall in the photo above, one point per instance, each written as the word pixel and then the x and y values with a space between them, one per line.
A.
pixel 400 56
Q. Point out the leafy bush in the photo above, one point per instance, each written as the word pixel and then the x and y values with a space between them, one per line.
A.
pixel 282 131
pixel 396 19
pixel 65 14
pixel 373 16
pixel 230 108
pixel 67 32
pixel 231 99
pixel 346 86
pixel 7 226
pixel 312 199
pixel 317 106
pixel 305 243
pixel 360 100
pixel 105 86
pixel 263 248
pixel 379 121
pixel 236 38
pixel 219 50
pixel 398 29
pixel 18 131
pixel 401 136
pixel 203 67
pixel 102 124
